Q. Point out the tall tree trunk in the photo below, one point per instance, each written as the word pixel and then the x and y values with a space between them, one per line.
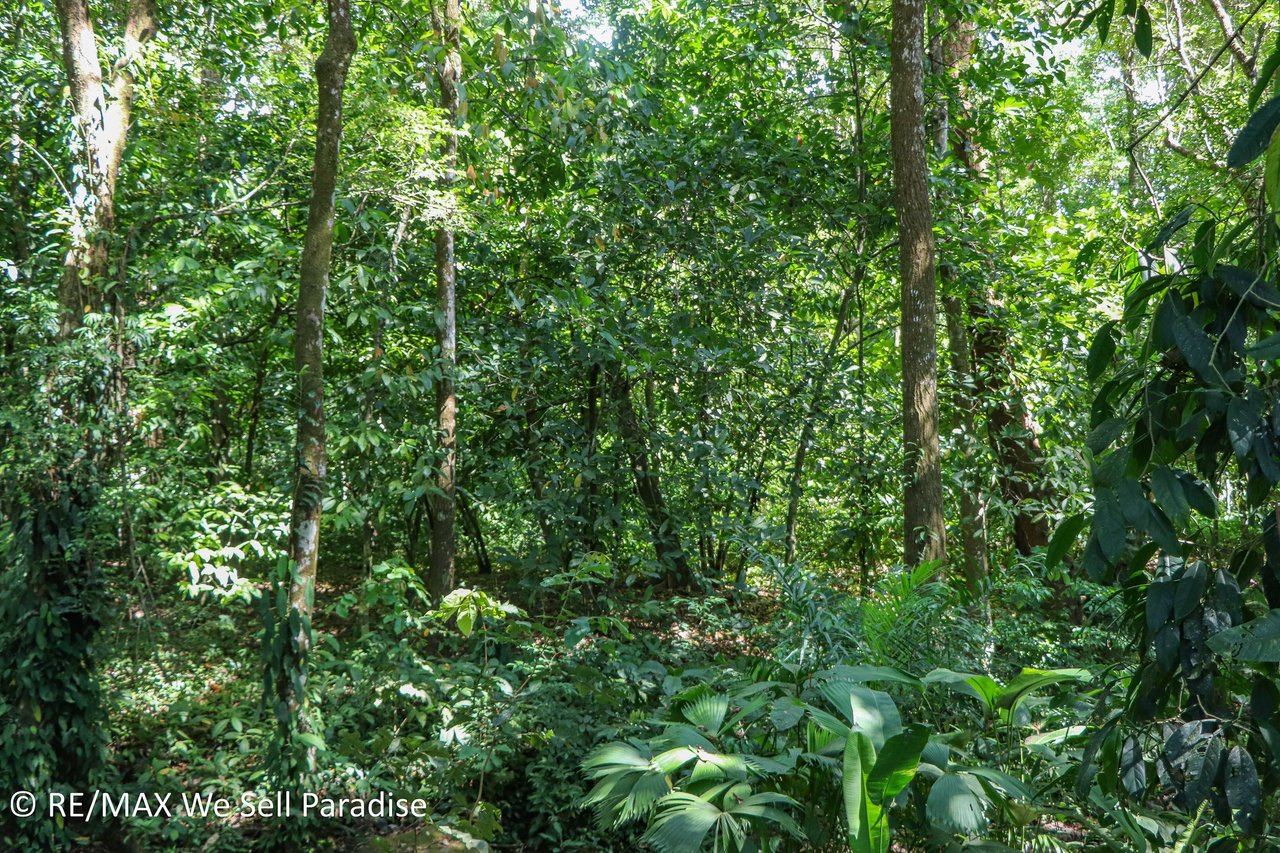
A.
pixel 102 104
pixel 308 344
pixel 924 532
pixel 441 578
pixel 662 526
pixel 51 593
pixel 1011 431
pixel 950 55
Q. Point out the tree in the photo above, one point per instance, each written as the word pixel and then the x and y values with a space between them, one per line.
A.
pixel 924 525
pixel 313 285
pixel 448 28
pixel 102 104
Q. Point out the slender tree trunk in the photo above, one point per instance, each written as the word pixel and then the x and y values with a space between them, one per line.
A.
pixel 1131 120
pixel 924 525
pixel 308 347
pixel 662 526
pixel 441 579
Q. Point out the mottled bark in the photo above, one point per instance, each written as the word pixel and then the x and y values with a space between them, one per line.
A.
pixel 662 526
pixel 308 344
pixel 441 578
pixel 924 526
pixel 951 54
pixel 101 107
pixel 1010 428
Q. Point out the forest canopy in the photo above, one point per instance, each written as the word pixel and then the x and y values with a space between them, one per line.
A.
pixel 675 426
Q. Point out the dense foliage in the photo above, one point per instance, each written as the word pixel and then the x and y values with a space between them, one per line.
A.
pixel 530 411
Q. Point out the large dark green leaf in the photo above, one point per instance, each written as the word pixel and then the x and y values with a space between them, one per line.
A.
pixel 1101 351
pixel 957 804
pixel 1173 226
pixel 1159 605
pixel 1190 588
pixel 1250 286
pixel 1197 349
pixel 1133 768
pixel 1105 434
pixel 1267 349
pixel 1256 641
pixel 896 764
pixel 1063 538
pixel 1264 78
pixel 1256 135
pixel 1243 791
pixel 1142 31
pixel 1108 525
pixel 1198 495
pixel 1168 493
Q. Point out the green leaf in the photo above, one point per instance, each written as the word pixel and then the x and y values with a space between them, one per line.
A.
pixel 1198 495
pixel 1190 588
pixel 786 713
pixel 1271 175
pixel 312 740
pixel 1008 785
pixel 707 711
pixel 1142 31
pixel 1197 349
pixel 851 786
pixel 682 821
pixel 1108 525
pixel 1159 603
pixel 1267 349
pixel 1243 791
pixel 1157 526
pixel 1168 493
pixel 1063 538
pixel 863 673
pixel 1030 680
pixel 981 687
pixel 1100 352
pixel 1264 77
pixel 957 804
pixel 1250 285
pixel 896 764
pixel 1173 226
pixel 871 712
pixel 1256 134
pixel 466 621
pixel 1133 768
pixel 1242 420
pixel 1105 12
pixel 1105 434
pixel 1256 641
